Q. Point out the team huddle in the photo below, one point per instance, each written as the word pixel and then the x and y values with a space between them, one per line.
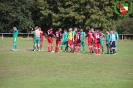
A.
pixel 74 40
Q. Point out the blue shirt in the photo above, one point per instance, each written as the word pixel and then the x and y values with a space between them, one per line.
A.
pixel 116 35
pixel 112 37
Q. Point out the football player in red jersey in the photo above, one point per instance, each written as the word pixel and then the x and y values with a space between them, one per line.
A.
pixel 97 42
pixel 77 40
pixel 50 39
pixel 41 39
pixel 90 39
pixel 58 39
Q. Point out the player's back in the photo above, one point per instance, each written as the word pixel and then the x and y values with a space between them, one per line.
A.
pixel 65 35
pixel 83 35
pixel 89 36
pixel 37 33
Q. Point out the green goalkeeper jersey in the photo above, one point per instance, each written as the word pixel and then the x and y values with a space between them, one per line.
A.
pixel 82 36
pixel 65 35
pixel 15 33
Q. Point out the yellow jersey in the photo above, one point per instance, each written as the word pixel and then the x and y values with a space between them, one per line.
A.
pixel 70 36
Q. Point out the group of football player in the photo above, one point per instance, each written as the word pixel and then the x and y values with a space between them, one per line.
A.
pixel 74 39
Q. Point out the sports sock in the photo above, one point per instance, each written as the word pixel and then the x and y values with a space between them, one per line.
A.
pixel 34 47
pixel 15 46
pixel 78 50
pixel 113 51
pixel 51 48
pixel 38 47
pixel 102 50
pixel 107 51
pixel 99 51
pixel 83 48
pixel 75 49
pixel 90 50
pixel 56 49
pixel 41 46
pixel 61 47
pixel 96 51
pixel 48 48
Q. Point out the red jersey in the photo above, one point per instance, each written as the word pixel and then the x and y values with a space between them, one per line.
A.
pixel 50 33
pixel 58 35
pixel 77 37
pixel 96 37
pixel 90 36
pixel 41 34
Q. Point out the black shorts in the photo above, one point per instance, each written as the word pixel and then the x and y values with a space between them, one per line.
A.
pixel 113 44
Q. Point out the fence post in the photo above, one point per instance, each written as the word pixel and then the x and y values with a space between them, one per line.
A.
pixel 122 37
pixel 2 36
pixel 28 36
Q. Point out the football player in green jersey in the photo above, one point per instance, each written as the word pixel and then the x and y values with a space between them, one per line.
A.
pixel 82 43
pixel 108 41
pixel 15 36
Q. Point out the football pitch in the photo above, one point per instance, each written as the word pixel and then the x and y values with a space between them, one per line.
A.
pixel 28 69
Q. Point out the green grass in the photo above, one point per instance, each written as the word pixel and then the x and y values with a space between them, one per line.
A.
pixel 27 69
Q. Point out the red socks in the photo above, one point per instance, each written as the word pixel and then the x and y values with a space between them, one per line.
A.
pixel 56 49
pixel 90 49
pixel 98 50
pixel 41 46
pixel 49 49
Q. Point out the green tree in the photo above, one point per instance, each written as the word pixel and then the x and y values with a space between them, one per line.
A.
pixel 125 26
pixel 16 13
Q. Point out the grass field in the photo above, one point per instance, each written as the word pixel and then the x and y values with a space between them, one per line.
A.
pixel 27 69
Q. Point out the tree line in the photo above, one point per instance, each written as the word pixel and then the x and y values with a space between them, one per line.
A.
pixel 26 14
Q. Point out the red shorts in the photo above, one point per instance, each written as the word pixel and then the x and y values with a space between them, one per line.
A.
pixel 50 40
pixel 97 45
pixel 69 42
pixel 76 44
pixel 89 43
pixel 58 42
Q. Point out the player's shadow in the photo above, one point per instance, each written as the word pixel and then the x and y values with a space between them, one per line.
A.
pixel 29 49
